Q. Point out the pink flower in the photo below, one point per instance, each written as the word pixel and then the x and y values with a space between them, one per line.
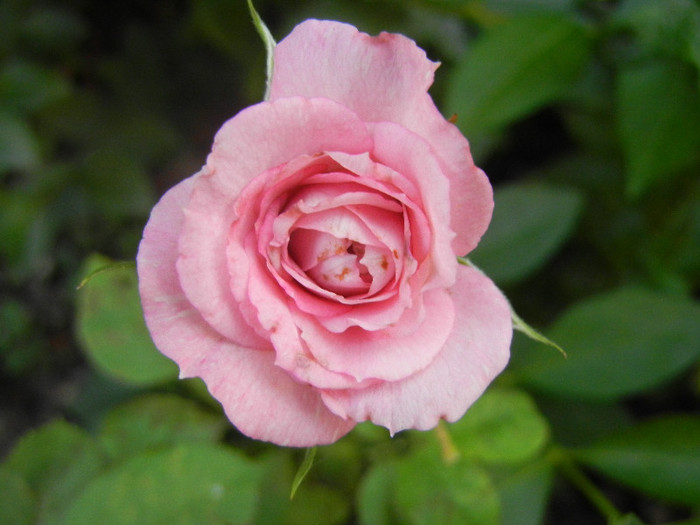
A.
pixel 308 272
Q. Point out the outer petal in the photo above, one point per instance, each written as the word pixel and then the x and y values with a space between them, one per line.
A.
pixel 380 78
pixel 259 398
pixel 163 299
pixel 265 403
pixel 385 78
pixel 476 351
pixel 269 134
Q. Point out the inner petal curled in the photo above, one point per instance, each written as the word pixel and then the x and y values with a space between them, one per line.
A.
pixel 340 265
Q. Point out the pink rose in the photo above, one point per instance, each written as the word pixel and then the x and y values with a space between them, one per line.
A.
pixel 308 272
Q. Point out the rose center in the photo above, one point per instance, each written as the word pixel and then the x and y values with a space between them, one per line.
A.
pixel 339 265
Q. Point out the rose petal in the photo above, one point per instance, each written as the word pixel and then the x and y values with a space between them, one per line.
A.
pixel 380 78
pixel 258 397
pixel 476 351
pixel 266 403
pixel 390 354
pixel 272 309
pixel 163 299
pixel 386 78
pixel 411 156
pixel 243 151
pixel 270 134
pixel 340 274
pixel 417 232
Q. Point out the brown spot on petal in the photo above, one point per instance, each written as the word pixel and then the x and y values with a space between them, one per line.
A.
pixel 384 263
pixel 395 254
pixel 340 276
pixel 452 119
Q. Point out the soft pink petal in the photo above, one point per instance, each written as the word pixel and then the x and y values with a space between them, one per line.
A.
pixel 258 397
pixel 417 236
pixel 340 274
pixel 324 191
pixel 376 232
pixel 272 308
pixel 474 354
pixel 411 156
pixel 385 78
pixel 391 353
pixel 382 180
pixel 244 150
pixel 380 78
pixel 376 315
pixel 270 134
pixel 161 292
pixel 309 247
pixel 340 223
pixel 265 403
pixel 380 265
pixel 471 201
pixel 272 228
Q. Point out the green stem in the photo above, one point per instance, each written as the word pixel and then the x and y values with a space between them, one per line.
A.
pixel 577 478
pixel 450 454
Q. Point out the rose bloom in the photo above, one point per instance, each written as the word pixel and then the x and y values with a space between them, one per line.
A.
pixel 308 272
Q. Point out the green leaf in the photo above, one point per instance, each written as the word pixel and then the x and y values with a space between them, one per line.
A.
pixel 28 87
pixel 374 496
pixel 618 344
pixel 110 267
pixel 157 420
pixel 503 426
pixel 524 493
pixel 658 122
pixel 269 43
pixel 427 491
pixel 304 469
pixel 318 504
pixel 186 484
pixel 520 6
pixel 664 26
pixel 56 461
pixel 530 222
pixel 341 465
pixel 111 329
pixel 488 12
pixel 273 503
pixel 544 56
pixel 628 519
pixel 117 184
pixel 660 457
pixel 694 51
pixel 15 319
pixel 17 502
pixel 580 423
pixel 19 148
pixel 529 331
pixel 314 501
pixel 52 30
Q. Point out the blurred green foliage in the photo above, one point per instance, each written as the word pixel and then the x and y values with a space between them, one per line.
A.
pixel 586 116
